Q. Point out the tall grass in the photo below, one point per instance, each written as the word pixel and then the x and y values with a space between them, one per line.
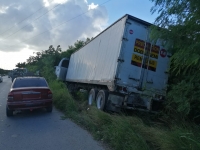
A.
pixel 122 132
pixel 61 98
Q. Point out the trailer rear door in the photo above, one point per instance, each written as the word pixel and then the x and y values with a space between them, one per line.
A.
pixel 142 65
pixel 130 59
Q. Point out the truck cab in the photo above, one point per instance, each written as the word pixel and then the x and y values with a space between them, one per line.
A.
pixel 18 72
pixel 61 69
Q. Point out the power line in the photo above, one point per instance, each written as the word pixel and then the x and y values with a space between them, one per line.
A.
pixel 33 20
pixel 66 21
pixel 24 18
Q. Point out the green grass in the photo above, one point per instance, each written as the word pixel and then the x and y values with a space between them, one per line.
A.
pixel 62 99
pixel 124 132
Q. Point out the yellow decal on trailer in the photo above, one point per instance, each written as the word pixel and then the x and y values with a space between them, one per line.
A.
pixel 152 63
pixel 137 61
pixel 154 51
pixel 137 58
pixel 140 46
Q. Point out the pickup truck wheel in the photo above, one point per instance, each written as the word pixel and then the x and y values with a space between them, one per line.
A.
pixel 101 99
pixel 92 96
pixel 9 112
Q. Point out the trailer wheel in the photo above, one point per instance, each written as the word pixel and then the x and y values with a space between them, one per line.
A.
pixel 92 96
pixel 101 99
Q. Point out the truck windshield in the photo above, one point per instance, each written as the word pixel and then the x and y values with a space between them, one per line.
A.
pixel 65 63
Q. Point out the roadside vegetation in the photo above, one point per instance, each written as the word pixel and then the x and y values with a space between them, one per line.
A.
pixel 128 130
pixel 177 126
pixel 2 71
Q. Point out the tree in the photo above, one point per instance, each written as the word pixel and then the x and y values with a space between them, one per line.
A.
pixel 20 65
pixel 2 71
pixel 179 21
pixel 45 60
pixel 71 49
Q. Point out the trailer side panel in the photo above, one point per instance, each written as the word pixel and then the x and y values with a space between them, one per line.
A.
pixel 97 61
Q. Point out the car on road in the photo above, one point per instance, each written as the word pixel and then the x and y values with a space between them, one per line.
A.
pixel 28 93
pixel 1 78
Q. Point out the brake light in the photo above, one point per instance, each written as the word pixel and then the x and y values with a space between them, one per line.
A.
pixel 10 97
pixel 50 94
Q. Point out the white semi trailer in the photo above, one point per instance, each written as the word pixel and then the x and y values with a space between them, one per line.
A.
pixel 121 67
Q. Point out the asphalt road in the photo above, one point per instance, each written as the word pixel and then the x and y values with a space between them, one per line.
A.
pixel 38 129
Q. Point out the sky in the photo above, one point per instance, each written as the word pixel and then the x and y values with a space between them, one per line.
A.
pixel 29 26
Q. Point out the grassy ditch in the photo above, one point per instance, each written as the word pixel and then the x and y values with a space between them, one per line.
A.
pixel 124 132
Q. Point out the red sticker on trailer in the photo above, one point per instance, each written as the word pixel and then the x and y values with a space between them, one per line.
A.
pixel 163 53
pixel 131 31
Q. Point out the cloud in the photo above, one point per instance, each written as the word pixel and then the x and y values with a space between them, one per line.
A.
pixel 37 24
pixel 92 6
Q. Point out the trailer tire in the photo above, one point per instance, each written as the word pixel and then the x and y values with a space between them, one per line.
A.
pixel 101 99
pixel 92 96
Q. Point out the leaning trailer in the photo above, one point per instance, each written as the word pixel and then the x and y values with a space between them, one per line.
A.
pixel 121 67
